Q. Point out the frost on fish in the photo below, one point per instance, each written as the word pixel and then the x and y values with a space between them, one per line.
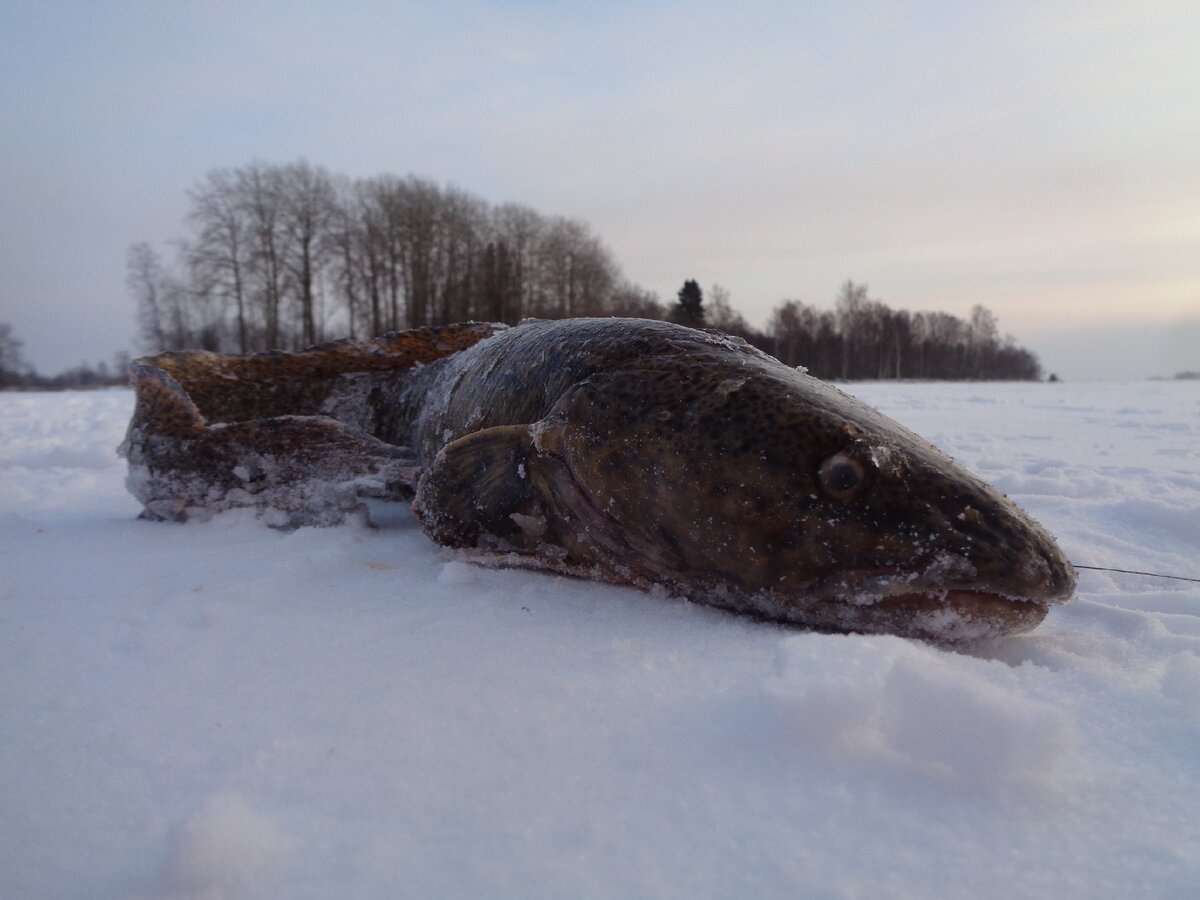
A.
pixel 635 452
pixel 304 438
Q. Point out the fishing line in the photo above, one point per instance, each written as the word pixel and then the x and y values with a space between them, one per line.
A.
pixel 1134 572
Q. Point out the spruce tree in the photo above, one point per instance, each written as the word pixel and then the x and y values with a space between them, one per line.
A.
pixel 689 308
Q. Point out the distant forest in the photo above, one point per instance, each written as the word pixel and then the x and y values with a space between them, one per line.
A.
pixel 284 256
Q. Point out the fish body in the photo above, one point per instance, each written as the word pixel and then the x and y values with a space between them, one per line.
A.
pixel 630 451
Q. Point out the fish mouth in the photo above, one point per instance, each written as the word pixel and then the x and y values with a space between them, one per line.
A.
pixel 1042 579
pixel 932 606
pixel 956 613
pixel 941 615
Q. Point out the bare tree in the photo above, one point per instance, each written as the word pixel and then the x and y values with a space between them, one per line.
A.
pixel 516 229
pixel 855 318
pixel 898 345
pixel 144 275
pixel 792 329
pixel 306 215
pixel 417 217
pixel 720 314
pixel 174 312
pixel 461 231
pixel 380 258
pixel 219 250
pixel 575 273
pixel 630 300
pixel 260 197
pixel 347 237
pixel 519 229
pixel 12 362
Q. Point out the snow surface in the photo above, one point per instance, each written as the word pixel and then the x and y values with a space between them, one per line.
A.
pixel 222 710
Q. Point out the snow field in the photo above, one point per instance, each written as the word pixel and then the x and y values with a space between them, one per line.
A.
pixel 222 710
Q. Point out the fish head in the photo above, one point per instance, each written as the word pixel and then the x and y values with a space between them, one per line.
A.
pixel 760 488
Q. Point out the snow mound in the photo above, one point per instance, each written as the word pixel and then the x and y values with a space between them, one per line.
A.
pixel 1181 683
pixel 458 574
pixel 897 704
pixel 225 848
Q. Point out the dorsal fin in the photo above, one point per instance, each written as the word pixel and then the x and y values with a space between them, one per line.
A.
pixel 214 387
pixel 161 400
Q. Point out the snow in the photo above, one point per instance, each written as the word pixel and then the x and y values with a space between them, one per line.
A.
pixel 220 709
pixel 223 848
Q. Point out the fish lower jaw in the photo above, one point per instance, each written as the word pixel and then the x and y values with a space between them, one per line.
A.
pixel 944 614
pixel 949 579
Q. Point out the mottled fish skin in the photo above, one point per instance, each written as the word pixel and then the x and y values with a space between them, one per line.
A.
pixel 645 453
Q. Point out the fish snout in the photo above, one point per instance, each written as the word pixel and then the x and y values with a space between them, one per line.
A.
pixel 1011 554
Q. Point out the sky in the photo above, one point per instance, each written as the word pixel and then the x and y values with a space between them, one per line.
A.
pixel 1039 158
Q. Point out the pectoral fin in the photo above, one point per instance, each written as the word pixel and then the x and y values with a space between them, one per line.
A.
pixel 484 490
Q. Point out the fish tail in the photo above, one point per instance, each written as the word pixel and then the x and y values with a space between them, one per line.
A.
pixel 292 432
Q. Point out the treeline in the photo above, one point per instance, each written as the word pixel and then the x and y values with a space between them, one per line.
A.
pixel 863 338
pixel 17 374
pixel 284 256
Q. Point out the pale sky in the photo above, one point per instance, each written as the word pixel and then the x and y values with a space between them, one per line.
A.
pixel 1040 158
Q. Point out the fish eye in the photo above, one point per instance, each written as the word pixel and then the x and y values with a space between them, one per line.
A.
pixel 841 476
